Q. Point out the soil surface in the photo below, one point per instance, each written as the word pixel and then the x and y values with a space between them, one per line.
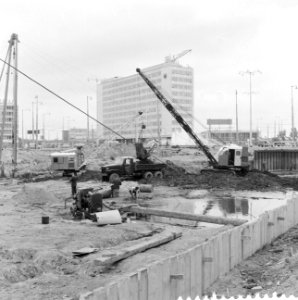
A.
pixel 36 260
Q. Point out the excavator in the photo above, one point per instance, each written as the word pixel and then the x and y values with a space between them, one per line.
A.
pixel 232 157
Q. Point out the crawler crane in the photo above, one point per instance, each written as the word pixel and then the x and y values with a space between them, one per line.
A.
pixel 232 157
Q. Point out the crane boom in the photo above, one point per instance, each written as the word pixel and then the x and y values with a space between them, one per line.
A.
pixel 179 119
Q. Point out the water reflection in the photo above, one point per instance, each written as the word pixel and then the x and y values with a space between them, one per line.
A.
pixel 244 205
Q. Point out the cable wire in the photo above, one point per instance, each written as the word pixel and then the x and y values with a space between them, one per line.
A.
pixel 61 98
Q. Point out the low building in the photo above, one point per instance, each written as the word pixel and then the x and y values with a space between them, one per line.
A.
pixel 230 136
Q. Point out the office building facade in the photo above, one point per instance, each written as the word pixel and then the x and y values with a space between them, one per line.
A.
pixel 126 104
pixel 8 126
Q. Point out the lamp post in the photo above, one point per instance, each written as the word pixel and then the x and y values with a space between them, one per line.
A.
pixel 88 131
pixel 23 126
pixel 32 122
pixel 292 111
pixel 250 73
pixel 43 125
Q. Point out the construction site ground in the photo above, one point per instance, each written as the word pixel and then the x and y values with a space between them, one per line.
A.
pixel 36 260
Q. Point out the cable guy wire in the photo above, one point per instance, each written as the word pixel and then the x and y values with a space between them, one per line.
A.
pixel 61 98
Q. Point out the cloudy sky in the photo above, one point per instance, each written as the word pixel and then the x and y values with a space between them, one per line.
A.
pixel 68 45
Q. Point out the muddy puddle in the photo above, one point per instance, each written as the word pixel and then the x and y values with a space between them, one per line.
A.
pixel 246 205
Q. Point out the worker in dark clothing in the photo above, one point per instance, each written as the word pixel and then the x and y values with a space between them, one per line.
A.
pixel 73 180
pixel 134 192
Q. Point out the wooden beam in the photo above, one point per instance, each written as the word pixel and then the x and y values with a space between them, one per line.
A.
pixel 184 216
pixel 112 255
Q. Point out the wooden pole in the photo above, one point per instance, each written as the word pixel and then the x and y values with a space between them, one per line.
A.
pixel 5 98
pixel 184 216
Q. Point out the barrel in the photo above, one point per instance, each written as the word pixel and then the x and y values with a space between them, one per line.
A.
pixel 45 220
pixel 146 188
pixel 108 217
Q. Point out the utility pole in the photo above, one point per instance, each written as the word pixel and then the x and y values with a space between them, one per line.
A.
pixel 292 110
pixel 237 133
pixel 36 143
pixel 15 103
pixel 32 122
pixel 11 42
pixel 250 73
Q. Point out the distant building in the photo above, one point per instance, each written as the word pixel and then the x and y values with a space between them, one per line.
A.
pixel 8 127
pixel 230 136
pixel 74 135
pixel 119 101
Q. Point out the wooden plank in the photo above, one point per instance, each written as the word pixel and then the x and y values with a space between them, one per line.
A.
pixel 174 283
pixel 224 263
pixel 133 286
pixel 187 274
pixel 193 273
pixel 184 216
pixel 155 281
pixel 99 293
pixel 142 284
pixel 216 247
pixel 181 282
pixel 235 250
pixel 296 208
pixel 206 266
pixel 112 291
pixel 166 282
pixel 271 227
pixel 245 242
pixel 123 288
pixel 110 256
pixel 196 270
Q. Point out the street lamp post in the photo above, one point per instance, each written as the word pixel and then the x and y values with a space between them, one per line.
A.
pixel 88 131
pixel 23 126
pixel 250 73
pixel 292 112
pixel 32 122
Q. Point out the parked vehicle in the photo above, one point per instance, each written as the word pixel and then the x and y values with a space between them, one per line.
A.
pixel 69 161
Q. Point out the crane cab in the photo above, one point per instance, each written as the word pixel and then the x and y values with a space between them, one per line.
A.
pixel 233 156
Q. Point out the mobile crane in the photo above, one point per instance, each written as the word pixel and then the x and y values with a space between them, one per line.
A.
pixel 231 157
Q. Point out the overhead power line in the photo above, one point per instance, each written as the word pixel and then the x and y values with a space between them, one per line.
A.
pixel 61 98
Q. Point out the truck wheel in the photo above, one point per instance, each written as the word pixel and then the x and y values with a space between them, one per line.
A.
pixel 158 174
pixel 148 175
pixel 114 177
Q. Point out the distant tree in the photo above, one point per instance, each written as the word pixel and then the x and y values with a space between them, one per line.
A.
pixel 294 133
pixel 282 135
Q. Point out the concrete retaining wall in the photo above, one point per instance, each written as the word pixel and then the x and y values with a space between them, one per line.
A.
pixel 191 272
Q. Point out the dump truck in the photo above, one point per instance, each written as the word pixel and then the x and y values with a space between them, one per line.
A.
pixel 129 167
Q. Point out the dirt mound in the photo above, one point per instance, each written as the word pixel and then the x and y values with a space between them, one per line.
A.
pixel 50 259
pixel 254 180
pixel 35 195
pixel 21 272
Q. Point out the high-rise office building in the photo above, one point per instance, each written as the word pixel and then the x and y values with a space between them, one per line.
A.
pixel 125 104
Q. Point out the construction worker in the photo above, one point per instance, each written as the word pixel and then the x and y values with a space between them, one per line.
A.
pixel 115 188
pixel 73 180
pixel 134 192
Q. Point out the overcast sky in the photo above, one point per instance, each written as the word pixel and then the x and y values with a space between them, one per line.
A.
pixel 65 43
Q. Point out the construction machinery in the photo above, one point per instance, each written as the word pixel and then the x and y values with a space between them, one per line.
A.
pixel 230 157
pixel 130 167
pixel 69 161
pixel 87 202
